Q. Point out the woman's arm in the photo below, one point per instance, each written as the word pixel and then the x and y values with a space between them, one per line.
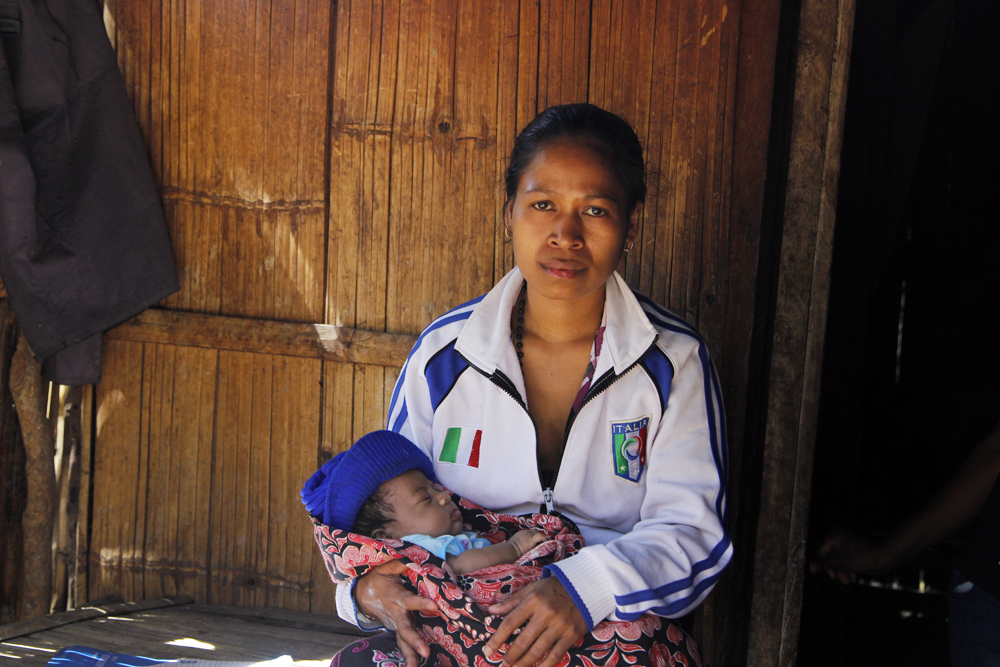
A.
pixel 671 559
pixel 673 556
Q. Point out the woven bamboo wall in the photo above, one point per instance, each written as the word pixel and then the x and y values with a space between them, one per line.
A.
pixel 340 163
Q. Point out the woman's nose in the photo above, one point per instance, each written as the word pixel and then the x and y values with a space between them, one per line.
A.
pixel 567 231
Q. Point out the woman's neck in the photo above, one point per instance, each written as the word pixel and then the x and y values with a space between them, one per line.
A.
pixel 560 321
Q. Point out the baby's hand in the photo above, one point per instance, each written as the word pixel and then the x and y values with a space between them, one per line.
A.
pixel 525 540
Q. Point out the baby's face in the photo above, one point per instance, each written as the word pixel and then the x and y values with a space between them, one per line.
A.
pixel 420 507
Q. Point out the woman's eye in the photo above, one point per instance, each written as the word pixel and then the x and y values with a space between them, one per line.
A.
pixel 542 205
pixel 595 211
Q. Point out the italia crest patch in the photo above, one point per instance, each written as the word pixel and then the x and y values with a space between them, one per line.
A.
pixel 628 447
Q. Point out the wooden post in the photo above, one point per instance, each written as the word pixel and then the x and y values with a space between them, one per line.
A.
pixel 67 443
pixel 30 394
pixel 79 593
pixel 12 485
pixel 823 54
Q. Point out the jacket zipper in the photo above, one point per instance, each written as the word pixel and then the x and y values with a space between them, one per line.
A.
pixel 505 385
pixel 603 382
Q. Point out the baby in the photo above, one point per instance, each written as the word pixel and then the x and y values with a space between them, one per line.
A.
pixel 384 487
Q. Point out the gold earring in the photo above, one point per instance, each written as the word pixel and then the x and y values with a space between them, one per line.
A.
pixel 506 233
pixel 629 245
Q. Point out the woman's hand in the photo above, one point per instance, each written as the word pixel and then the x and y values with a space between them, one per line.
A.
pixel 381 595
pixel 552 624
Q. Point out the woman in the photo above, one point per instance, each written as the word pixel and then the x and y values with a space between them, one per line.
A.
pixel 562 389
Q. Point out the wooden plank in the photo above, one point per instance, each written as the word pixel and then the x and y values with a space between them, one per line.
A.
pixel 86 478
pixel 821 71
pixel 157 521
pixel 639 109
pixel 259 486
pixel 400 278
pixel 283 618
pixel 226 633
pixel 230 488
pixel 507 104
pixel 192 429
pixel 113 554
pixel 13 486
pixel 527 64
pixel 294 436
pixel 241 481
pixel 752 28
pixel 348 98
pixel 31 626
pixel 314 341
pixel 337 436
pixel 376 146
pixel 652 253
pixel 441 291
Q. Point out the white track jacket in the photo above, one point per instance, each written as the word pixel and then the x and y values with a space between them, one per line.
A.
pixel 643 471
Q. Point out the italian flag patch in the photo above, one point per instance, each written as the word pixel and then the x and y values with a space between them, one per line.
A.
pixel 461 446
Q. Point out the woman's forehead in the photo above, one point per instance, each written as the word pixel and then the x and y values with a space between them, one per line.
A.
pixel 570 166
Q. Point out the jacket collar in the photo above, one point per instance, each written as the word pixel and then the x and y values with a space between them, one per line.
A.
pixel 485 339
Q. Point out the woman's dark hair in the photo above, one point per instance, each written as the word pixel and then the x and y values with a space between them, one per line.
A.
pixel 611 137
pixel 373 515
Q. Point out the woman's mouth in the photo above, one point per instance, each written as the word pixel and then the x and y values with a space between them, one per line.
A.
pixel 563 270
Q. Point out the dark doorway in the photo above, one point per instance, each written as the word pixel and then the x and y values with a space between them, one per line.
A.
pixel 911 375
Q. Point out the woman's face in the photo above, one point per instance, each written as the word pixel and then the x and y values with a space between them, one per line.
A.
pixel 568 221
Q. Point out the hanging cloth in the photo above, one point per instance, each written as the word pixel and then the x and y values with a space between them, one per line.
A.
pixel 83 241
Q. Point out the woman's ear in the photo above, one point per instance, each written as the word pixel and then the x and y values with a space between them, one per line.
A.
pixel 379 534
pixel 633 223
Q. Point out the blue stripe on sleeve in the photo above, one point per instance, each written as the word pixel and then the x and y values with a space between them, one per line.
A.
pixel 661 371
pixel 397 426
pixel 664 319
pixel 442 373
pixel 681 584
pixel 677 606
pixel 548 571
pixel 710 403
pixel 448 318
pixel 712 396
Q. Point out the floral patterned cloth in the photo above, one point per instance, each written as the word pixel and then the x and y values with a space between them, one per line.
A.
pixel 462 625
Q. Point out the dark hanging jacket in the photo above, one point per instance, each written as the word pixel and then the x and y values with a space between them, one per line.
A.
pixel 83 241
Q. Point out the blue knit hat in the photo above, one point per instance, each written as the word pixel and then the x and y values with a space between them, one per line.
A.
pixel 336 492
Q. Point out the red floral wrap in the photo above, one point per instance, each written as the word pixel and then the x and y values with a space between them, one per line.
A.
pixel 462 625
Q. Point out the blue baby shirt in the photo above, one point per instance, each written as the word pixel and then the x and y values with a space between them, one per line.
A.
pixel 448 544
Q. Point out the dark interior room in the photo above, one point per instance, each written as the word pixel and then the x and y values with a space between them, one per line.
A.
pixel 911 374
